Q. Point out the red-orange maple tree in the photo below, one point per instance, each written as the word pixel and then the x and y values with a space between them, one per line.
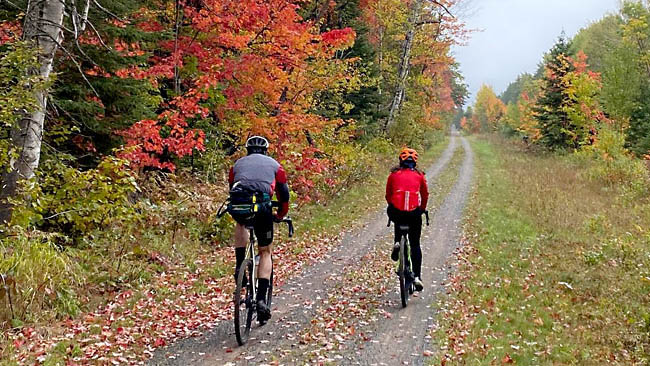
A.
pixel 257 67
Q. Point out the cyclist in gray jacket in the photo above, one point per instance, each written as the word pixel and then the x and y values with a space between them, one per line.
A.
pixel 260 175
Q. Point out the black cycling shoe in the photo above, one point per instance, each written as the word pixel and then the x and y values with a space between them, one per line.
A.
pixel 417 283
pixel 395 254
pixel 263 312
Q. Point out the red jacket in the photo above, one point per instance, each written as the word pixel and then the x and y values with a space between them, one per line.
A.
pixel 407 190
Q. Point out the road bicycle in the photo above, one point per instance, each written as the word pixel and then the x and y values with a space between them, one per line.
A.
pixel 246 288
pixel 404 272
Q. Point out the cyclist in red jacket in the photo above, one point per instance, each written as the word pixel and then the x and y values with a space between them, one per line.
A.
pixel 407 194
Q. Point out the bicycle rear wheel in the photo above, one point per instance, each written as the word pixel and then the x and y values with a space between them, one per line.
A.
pixel 403 285
pixel 244 302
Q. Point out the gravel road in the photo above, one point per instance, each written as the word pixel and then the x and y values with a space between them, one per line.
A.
pixel 398 340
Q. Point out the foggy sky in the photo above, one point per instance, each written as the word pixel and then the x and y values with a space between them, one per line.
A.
pixel 516 33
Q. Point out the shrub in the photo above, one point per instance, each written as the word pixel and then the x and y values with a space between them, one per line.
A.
pixel 612 163
pixel 72 202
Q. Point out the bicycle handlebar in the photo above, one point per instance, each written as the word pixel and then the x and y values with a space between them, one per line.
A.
pixel 289 223
pixel 223 209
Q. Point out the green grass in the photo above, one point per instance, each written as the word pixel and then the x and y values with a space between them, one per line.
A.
pixel 556 271
pixel 445 182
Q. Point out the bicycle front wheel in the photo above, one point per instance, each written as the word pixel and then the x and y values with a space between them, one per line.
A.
pixel 244 302
pixel 403 286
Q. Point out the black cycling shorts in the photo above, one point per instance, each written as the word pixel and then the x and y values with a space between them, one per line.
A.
pixel 262 224
pixel 411 218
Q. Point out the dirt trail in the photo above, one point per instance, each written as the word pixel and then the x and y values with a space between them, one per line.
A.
pixel 290 314
pixel 401 339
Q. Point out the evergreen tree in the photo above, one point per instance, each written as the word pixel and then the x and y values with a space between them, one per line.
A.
pixel 638 139
pixel 550 110
pixel 514 90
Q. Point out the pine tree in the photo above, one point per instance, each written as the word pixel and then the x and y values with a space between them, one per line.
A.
pixel 553 120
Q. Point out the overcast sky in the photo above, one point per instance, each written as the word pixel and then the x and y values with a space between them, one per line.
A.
pixel 516 33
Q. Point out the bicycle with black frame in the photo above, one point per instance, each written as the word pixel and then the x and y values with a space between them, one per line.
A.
pixel 246 287
pixel 404 264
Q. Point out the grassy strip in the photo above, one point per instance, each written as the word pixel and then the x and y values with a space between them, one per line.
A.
pixel 555 270
pixel 441 187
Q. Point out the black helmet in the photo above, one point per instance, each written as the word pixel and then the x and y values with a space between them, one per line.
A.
pixel 257 145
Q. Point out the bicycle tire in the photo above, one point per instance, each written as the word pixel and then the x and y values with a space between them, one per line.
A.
pixel 403 290
pixel 244 308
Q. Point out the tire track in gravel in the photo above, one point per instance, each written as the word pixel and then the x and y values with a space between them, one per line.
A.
pixel 290 314
pixel 402 339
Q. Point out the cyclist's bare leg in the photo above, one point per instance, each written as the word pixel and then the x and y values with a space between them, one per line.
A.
pixel 266 266
pixel 241 236
pixel 263 281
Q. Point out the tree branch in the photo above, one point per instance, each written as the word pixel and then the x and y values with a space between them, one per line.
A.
pixel 430 21
pixel 13 4
pixel 61 213
pixel 99 37
pixel 74 60
pixel 443 7
pixel 107 11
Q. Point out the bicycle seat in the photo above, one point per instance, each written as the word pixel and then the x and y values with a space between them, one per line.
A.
pixel 404 227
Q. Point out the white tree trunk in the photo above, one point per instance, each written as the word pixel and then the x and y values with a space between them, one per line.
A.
pixel 404 64
pixel 43 28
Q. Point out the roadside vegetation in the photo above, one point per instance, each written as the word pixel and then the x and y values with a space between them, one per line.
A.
pixel 555 267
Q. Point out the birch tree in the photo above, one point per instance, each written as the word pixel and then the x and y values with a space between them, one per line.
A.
pixel 43 28
pixel 422 13
pixel 404 64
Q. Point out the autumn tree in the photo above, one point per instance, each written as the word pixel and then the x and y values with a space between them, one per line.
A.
pixel 520 118
pixel 413 40
pixel 618 49
pixel 488 109
pixel 89 46
pixel 515 89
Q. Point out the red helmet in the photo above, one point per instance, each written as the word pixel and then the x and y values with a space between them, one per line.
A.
pixel 408 153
